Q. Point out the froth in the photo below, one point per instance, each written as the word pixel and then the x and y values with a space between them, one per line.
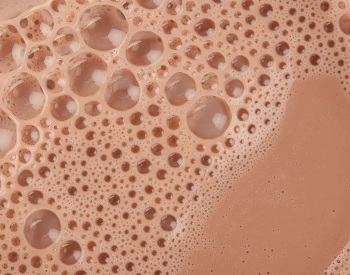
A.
pixel 124 123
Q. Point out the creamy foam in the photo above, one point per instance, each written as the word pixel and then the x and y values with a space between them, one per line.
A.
pixel 123 124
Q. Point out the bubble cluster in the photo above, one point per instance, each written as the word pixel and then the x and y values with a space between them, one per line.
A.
pixel 124 123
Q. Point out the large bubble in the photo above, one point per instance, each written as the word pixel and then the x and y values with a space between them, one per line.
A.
pixel 123 91
pixel 144 48
pixel 103 27
pixel 24 97
pixel 42 228
pixel 209 117
pixel 86 72
pixel 180 88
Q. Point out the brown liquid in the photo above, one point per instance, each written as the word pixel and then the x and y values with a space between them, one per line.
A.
pixel 282 216
pixel 174 137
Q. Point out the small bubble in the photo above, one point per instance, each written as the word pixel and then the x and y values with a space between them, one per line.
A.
pixel 240 63
pixel 175 160
pixel 168 223
pixel 144 166
pixel 205 27
pixel 150 213
pixel 315 60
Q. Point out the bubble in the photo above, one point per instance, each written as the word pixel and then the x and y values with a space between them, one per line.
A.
pixel 157 149
pixel 70 252
pixel 282 48
pixel 23 96
pixel 8 134
pixel 168 223
pixel 154 110
pixel 264 80
pixel 36 262
pixel 344 23
pixel 91 152
pixel 136 118
pixel 103 27
pixel 162 71
pixel 216 60
pixel 114 199
pixel 206 160
pixel 42 228
pixel 251 129
pixel 315 59
pixel 35 197
pixel 144 166
pixel 266 61
pixel 7 169
pixel 174 7
pixel 58 5
pixel 66 41
pixel 30 134
pixel 210 81
pixel 324 6
pixel 173 122
pixel 150 213
pixel 242 114
pixel 144 48
pixel 234 88
pixel 93 108
pixel 81 123
pixel 13 257
pixel 175 43
pixel 152 89
pixel 87 73
pixel 209 117
pixel 63 107
pixel 72 225
pixel 240 63
pixel 24 155
pixel 116 153
pixel 274 25
pixel 232 38
pixel 180 88
pixel 55 81
pixel 225 24
pixel 123 91
pixel 150 4
pixel 248 4
pixel 175 60
pixel 301 49
pixel 103 258
pixel 266 10
pixel 175 160
pixel 169 26
pixel 193 52
pixel 249 33
pixel 129 266
pixel 39 58
pixel 205 27
pixel 38 25
pixel 44 172
pixel 162 242
pixel 12 49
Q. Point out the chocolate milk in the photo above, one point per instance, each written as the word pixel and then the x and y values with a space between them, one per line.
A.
pixel 174 137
